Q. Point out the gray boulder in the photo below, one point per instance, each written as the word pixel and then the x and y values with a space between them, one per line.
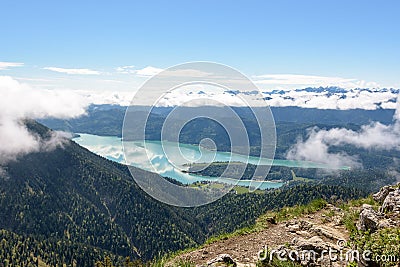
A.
pixel 221 260
pixel 314 243
pixel 369 219
pixel 392 202
pixel 382 194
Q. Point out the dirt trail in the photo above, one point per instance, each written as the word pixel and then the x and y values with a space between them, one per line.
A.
pixel 244 248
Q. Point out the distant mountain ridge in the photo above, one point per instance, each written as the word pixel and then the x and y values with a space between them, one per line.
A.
pixel 330 97
pixel 108 119
pixel 291 123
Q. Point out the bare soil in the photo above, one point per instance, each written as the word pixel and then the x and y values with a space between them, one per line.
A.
pixel 244 249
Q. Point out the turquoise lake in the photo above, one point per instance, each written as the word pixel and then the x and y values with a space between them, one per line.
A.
pixel 151 156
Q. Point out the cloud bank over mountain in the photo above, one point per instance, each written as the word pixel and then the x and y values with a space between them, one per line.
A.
pixel 119 85
pixel 375 135
pixel 18 102
pixel 319 97
pixel 301 81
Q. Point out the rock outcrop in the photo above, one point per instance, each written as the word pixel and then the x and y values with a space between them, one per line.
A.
pixel 369 219
pixel 382 194
pixel 307 252
pixel 222 260
pixel 372 220
pixel 392 202
pixel 314 243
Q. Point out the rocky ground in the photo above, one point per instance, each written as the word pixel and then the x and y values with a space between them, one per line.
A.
pixel 322 230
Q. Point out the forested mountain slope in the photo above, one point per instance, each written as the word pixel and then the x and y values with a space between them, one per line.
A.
pixel 70 205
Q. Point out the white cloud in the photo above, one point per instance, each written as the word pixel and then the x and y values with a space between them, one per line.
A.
pixel 372 136
pixel 113 88
pixel 122 98
pixel 110 81
pixel 325 99
pixel 191 73
pixel 151 71
pixel 7 65
pixel 145 72
pixel 130 69
pixel 33 79
pixel 74 71
pixel 291 81
pixel 315 149
pixel 369 99
pixel 148 71
pixel 19 101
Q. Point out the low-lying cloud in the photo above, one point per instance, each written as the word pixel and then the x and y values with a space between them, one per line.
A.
pixel 325 98
pixel 296 81
pixel 18 102
pixel 145 72
pixel 73 71
pixel 7 65
pixel 372 136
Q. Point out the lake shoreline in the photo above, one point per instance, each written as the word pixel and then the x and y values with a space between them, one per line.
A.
pixel 150 156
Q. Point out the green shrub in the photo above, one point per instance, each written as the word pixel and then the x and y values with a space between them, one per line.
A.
pixel 382 243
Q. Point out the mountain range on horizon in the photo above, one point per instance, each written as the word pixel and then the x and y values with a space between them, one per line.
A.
pixel 330 97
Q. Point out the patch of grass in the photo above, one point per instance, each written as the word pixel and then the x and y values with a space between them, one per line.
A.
pixel 168 259
pixel 301 179
pixel 207 185
pixel 358 203
pixel 349 220
pixel 159 262
pixel 288 213
pixel 384 244
pixel 329 213
pixel 239 232
pixel 241 189
pixel 351 214
pixel 185 263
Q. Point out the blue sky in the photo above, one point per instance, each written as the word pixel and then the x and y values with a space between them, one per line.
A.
pixel 350 39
